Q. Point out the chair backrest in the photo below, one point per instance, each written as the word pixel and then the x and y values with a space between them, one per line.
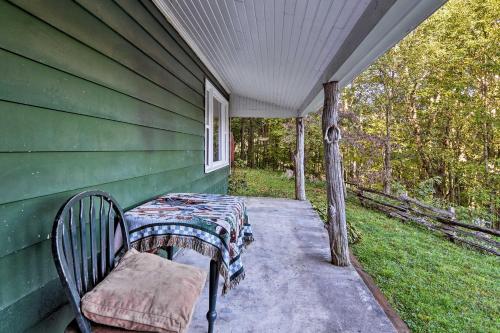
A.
pixel 88 233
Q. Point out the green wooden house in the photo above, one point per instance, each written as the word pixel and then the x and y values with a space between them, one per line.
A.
pixel 95 94
pixel 133 97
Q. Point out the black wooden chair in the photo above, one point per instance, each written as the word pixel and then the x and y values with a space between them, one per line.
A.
pixel 85 245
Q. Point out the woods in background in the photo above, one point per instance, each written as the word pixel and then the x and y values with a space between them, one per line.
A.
pixel 422 119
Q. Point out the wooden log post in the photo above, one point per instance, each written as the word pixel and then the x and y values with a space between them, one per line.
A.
pixel 300 188
pixel 337 225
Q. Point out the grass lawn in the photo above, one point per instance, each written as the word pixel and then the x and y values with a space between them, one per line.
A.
pixel 434 285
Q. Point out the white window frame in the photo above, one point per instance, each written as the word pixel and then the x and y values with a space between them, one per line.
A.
pixel 210 93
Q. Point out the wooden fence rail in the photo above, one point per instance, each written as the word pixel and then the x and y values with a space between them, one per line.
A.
pixel 433 218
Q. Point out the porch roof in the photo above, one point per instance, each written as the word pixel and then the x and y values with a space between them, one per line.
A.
pixel 273 56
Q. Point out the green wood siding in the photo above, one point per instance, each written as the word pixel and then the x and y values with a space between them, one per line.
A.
pixel 93 94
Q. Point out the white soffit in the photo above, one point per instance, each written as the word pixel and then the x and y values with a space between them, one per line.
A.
pixel 241 106
pixel 273 55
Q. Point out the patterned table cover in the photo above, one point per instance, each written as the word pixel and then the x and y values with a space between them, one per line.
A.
pixel 212 224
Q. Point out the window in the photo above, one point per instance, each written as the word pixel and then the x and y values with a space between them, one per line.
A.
pixel 216 129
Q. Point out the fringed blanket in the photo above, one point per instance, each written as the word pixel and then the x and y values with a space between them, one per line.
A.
pixel 211 224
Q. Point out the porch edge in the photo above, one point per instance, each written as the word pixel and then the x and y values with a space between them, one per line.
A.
pixel 393 316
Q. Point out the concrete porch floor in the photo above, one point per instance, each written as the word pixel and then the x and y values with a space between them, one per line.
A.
pixel 290 286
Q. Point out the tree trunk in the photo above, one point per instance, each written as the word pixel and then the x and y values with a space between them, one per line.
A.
pixel 300 188
pixel 250 152
pixel 387 151
pixel 265 154
pixel 425 165
pixel 337 225
pixel 242 138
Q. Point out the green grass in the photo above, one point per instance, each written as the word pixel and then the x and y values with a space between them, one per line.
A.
pixel 434 285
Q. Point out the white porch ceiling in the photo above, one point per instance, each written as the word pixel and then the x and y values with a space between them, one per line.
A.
pixel 273 55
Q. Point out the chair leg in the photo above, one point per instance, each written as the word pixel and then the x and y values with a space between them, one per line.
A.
pixel 212 300
pixel 170 252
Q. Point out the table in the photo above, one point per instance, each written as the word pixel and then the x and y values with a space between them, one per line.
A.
pixel 212 224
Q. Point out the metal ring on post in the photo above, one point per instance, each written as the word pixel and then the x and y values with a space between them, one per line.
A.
pixel 336 134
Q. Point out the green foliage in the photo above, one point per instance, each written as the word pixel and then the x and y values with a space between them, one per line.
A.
pixel 398 188
pixel 237 183
pixel 426 189
pixel 440 86
pixel 263 183
pixel 263 143
pixel 434 285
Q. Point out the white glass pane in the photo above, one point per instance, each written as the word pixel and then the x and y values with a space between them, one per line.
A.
pixel 207 106
pixel 217 131
pixel 207 127
pixel 207 144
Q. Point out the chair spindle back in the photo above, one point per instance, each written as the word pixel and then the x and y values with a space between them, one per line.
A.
pixel 88 233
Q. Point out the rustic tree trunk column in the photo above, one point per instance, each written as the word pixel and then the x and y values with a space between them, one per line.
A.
pixel 300 188
pixel 337 227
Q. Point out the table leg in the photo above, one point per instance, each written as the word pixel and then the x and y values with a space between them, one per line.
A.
pixel 170 252
pixel 212 298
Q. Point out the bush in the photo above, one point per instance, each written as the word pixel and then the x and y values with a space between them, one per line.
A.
pixel 237 182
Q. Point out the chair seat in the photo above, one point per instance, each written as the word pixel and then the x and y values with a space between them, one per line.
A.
pixel 97 328
pixel 145 292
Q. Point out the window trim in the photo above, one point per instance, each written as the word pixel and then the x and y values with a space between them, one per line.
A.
pixel 210 93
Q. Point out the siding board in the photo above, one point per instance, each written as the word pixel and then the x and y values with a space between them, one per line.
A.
pixel 29 175
pixel 26 128
pixel 137 11
pixel 20 315
pixel 27 222
pixel 93 95
pixel 120 21
pixel 33 266
pixel 29 82
pixel 48 45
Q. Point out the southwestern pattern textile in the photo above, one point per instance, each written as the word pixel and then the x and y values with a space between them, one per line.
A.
pixel 212 224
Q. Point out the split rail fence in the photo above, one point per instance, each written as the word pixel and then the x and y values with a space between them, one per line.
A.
pixel 436 219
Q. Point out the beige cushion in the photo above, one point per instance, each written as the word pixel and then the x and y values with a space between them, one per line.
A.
pixel 146 293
